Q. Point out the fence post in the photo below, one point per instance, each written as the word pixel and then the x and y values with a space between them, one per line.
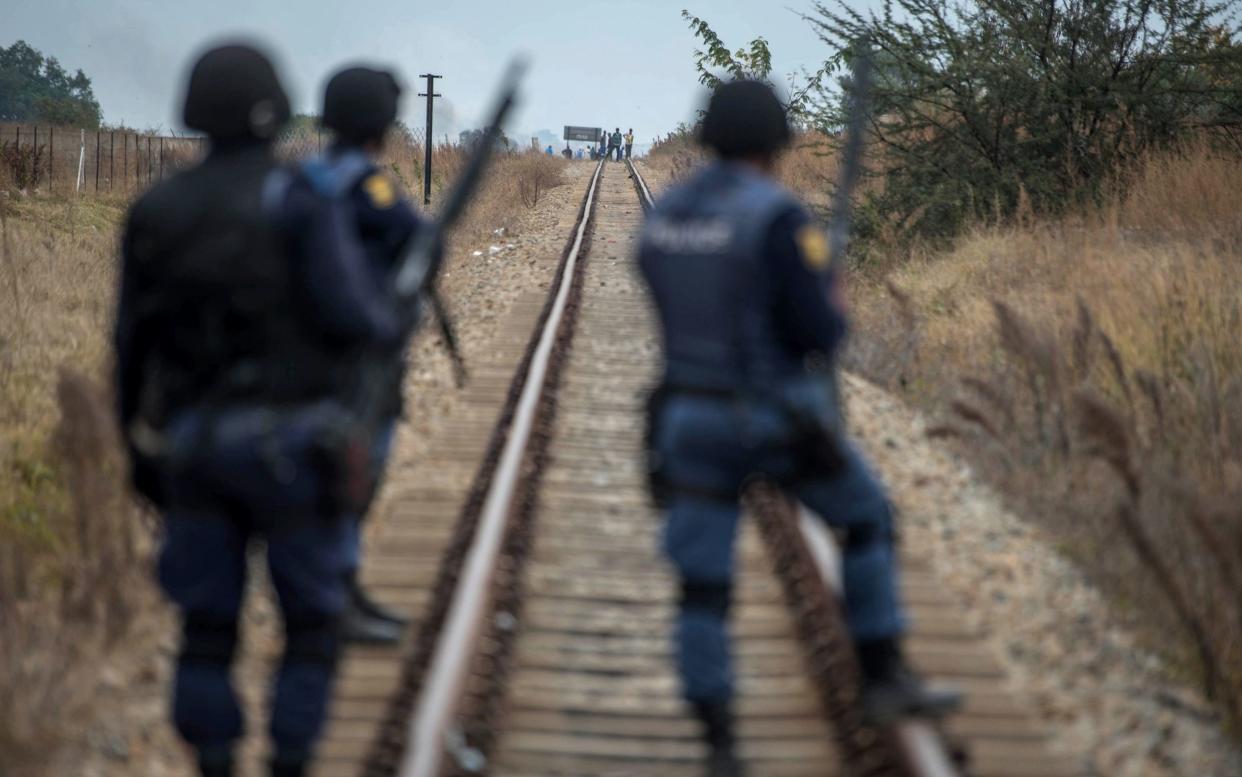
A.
pixel 81 160
pixel 34 159
pixel 111 156
pixel 97 159
pixel 137 162
pixel 51 154
pixel 150 160
pixel 161 157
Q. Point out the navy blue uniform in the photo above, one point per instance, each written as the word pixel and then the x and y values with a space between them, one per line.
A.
pixel 743 286
pixel 241 291
pixel 386 224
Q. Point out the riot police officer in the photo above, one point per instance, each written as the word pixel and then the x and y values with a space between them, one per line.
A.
pixel 359 105
pixel 749 306
pixel 241 291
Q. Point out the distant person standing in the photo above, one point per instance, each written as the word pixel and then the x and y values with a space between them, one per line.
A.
pixel 629 143
pixel 603 142
pixel 614 145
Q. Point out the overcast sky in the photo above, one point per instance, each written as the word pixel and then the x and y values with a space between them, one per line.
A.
pixel 622 63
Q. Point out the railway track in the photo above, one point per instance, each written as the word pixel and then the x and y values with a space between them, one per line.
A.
pixel 528 554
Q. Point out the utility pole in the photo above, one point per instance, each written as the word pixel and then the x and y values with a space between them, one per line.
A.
pixel 428 139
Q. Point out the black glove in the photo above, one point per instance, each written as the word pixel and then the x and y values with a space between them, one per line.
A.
pixel 147 479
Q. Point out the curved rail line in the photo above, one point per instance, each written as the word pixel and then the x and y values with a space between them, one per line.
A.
pixel 529 554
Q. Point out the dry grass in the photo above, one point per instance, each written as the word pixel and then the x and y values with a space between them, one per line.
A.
pixel 513 184
pixel 71 544
pixel 808 166
pixel 74 550
pixel 1094 368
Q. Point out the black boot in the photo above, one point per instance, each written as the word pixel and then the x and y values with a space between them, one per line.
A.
pixel 717 719
pixel 372 608
pixel 366 623
pixel 282 766
pixel 362 629
pixel 215 763
pixel 891 689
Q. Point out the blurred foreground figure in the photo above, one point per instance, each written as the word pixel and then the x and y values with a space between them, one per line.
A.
pixel 242 292
pixel 359 105
pixel 749 306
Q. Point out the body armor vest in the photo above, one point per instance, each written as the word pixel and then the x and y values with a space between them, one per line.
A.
pixel 222 309
pixel 702 254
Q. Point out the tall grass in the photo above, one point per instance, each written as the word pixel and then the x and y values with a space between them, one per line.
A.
pixel 71 545
pixel 1094 367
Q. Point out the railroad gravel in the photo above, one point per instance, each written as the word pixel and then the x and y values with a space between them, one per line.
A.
pixel 1108 703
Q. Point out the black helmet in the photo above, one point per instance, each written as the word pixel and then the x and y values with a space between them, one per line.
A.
pixel 360 103
pixel 234 93
pixel 744 118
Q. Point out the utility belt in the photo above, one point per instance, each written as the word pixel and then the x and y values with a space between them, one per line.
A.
pixel 272 464
pixel 815 437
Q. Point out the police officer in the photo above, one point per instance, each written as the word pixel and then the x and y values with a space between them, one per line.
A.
pixel 750 313
pixel 241 291
pixel 359 105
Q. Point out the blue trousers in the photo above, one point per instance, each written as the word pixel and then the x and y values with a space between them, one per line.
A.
pixel 712 445
pixel 381 451
pixel 202 568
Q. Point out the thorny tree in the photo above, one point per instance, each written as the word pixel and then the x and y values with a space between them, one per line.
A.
pixel 984 106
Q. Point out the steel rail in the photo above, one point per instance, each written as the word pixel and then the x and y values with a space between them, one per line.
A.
pixel 644 193
pixel 918 745
pixel 431 728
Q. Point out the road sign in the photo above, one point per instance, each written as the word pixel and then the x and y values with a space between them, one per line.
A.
pixel 589 134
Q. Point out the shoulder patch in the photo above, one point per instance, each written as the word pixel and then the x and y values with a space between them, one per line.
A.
pixel 813 244
pixel 380 191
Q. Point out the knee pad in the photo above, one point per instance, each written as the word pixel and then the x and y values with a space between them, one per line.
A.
pixel 312 640
pixel 711 598
pixel 880 529
pixel 208 640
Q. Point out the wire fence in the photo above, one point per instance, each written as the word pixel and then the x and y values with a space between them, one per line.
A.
pixel 39 157
pixel 50 158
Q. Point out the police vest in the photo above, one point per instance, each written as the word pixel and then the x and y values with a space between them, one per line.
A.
pixel 702 254
pixel 337 173
pixel 224 322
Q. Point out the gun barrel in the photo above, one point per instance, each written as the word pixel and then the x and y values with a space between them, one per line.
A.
pixel 851 155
